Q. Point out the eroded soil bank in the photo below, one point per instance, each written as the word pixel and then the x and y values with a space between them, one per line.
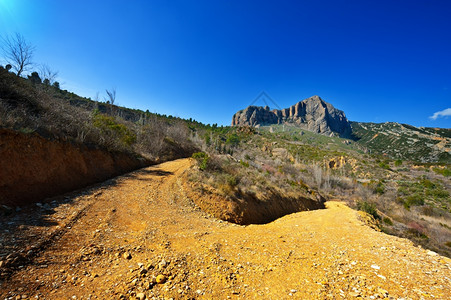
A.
pixel 33 168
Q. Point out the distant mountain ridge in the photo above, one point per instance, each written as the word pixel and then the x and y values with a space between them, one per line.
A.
pixel 313 114
pixel 402 141
pixel 398 141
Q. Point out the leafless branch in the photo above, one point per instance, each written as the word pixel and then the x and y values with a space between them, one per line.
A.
pixel 45 72
pixel 17 52
pixel 111 95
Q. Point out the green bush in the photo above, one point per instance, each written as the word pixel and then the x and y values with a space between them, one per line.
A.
pixel 109 126
pixel 231 180
pixel 414 199
pixel 233 139
pixel 202 159
pixel 427 183
pixel 384 165
pixel 379 187
pixel 244 163
pixel 398 163
pixel 369 208
pixel 437 193
pixel 445 172
pixel 207 139
pixel 388 221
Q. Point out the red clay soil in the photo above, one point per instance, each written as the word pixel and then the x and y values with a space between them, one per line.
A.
pixel 33 168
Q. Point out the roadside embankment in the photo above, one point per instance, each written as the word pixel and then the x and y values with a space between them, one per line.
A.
pixel 33 168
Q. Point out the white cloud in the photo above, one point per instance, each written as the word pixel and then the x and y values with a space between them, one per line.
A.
pixel 440 114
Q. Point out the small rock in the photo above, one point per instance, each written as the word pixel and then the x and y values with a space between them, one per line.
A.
pixel 382 292
pixel 162 264
pixel 143 271
pixel 141 296
pixel 381 276
pixel 127 255
pixel 431 253
pixel 376 267
pixel 147 285
pixel 161 279
pixel 293 291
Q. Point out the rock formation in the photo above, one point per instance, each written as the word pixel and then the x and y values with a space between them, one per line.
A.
pixel 313 114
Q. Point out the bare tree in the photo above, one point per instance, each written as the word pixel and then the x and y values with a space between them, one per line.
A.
pixel 17 52
pixel 111 95
pixel 47 74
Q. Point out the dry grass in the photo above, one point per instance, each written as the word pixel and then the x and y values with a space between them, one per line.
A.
pixel 34 108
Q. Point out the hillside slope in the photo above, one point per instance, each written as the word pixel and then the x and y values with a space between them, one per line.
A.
pixel 402 141
pixel 113 241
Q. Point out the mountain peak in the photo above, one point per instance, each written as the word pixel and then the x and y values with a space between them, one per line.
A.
pixel 313 114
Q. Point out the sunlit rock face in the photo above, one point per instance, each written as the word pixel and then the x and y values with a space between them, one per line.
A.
pixel 313 114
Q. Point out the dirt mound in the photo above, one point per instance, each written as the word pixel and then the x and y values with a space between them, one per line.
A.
pixel 33 168
pixel 248 209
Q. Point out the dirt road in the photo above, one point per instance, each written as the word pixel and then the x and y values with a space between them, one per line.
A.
pixel 113 241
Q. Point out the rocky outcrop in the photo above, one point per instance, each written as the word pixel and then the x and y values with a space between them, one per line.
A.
pixel 313 114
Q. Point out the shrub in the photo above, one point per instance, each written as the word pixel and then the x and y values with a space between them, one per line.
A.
pixel 417 229
pixel 202 159
pixel 369 208
pixel 437 193
pixel 398 163
pixel 384 165
pixel 427 183
pixel 233 140
pixel 244 163
pixel 231 180
pixel 445 172
pixel 388 221
pixel 378 187
pixel 110 127
pixel 414 199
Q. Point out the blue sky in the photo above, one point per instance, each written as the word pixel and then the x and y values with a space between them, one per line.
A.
pixel 377 61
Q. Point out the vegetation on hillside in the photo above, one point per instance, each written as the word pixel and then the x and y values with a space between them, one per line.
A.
pixel 406 142
pixel 31 106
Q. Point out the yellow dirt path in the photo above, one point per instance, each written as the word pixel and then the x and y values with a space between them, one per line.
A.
pixel 112 241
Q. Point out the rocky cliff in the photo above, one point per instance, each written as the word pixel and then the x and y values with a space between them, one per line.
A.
pixel 313 114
